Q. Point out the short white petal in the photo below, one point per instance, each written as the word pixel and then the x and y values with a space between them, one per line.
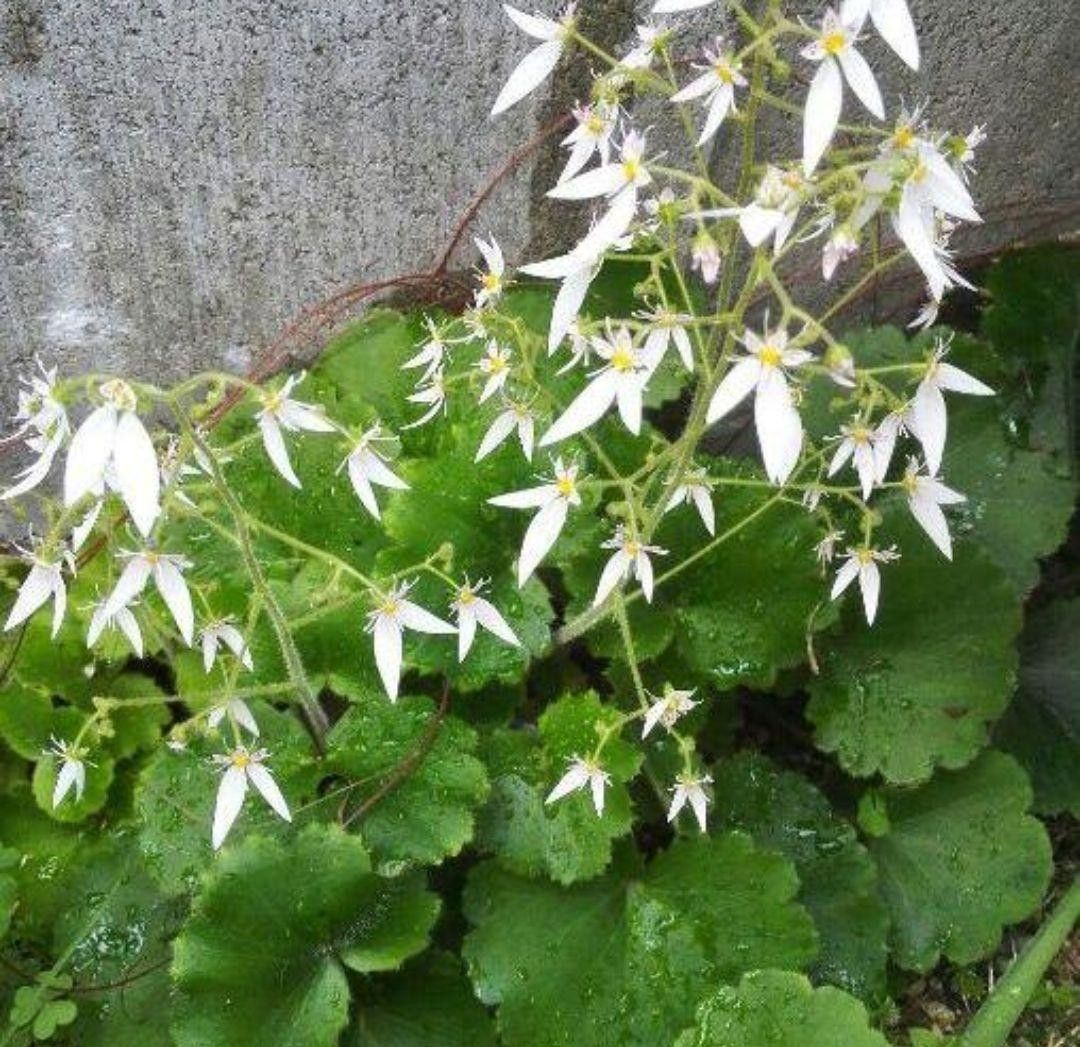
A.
pixel 89 453
pixel 488 615
pixel 540 536
pixel 174 591
pixel 735 387
pixel 387 640
pixel 861 78
pixel 585 409
pixel 263 780
pixel 528 75
pixel 823 103
pixel 613 573
pixel 136 470
pixel 274 442
pixel 230 798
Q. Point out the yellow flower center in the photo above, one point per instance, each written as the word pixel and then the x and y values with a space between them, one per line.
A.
pixel 565 486
pixel 272 402
pixel 622 360
pixel 770 356
pixel 865 556
pixel 724 73
pixel 466 596
pixel 595 126
pixel 834 42
pixel 390 606
pixel 904 136
pixel 860 434
pixel 496 364
pixel 631 170
pixel 491 281
pixel 919 173
pixel 910 482
pixel 240 759
pixel 631 548
pixel 119 394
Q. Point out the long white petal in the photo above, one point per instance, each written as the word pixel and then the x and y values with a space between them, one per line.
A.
pixel 540 536
pixel 629 400
pixel 230 798
pixel 912 227
pixel 34 592
pixel 362 485
pixel 598 783
pixel 274 442
pixel 209 651
pixel 570 782
pixel 757 222
pixel 823 103
pixel 844 577
pixel 861 78
pixel 497 432
pixel 66 777
pixel 718 109
pixel 244 716
pixel 601 181
pixel 866 467
pixel 135 466
pixel 531 25
pixel 234 640
pixel 927 418
pixel 529 498
pixel 132 581
pixel 683 347
pixel 528 75
pixel 129 626
pixel 698 805
pixel 30 477
pixel 488 615
pixel 263 780
pixel 466 625
pixel 870 584
pixel 414 617
pixel 735 388
pixel 932 520
pixel 557 268
pixel 779 427
pixel 652 717
pixel 703 501
pixel 644 568
pixel 613 573
pixel 697 87
pixel 611 228
pixel 59 602
pixel 568 304
pixel 892 19
pixel 956 381
pixel 387 640
pixel 678 802
pixel 585 409
pixel 89 453
pixel 174 591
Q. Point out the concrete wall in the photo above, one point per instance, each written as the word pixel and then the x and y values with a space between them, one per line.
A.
pixel 179 177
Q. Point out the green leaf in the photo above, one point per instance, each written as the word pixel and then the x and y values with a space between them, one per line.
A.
pixel 429 1002
pixel 960 860
pixel 1041 727
pixel 261 959
pixel 9 887
pixel 780 1009
pixel 428 815
pixel 623 959
pixel 783 812
pixel 918 689
pixel 565 841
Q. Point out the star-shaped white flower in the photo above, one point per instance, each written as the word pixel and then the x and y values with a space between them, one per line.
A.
pixel 43 427
pixel 926 416
pixel 472 609
pixel 862 563
pixel 538 64
pixel 72 770
pixel 925 496
pixel 834 50
pixel 668 710
pixel 43 582
pixel 495 363
pixel 553 500
pixel 621 381
pixel 281 414
pixel 112 440
pixel 582 773
pixel 870 450
pixel 716 85
pixel 592 135
pixel 517 415
pixel 431 394
pixel 630 559
pixel 387 625
pixel 167 571
pixel 893 21
pixel 690 789
pixel 123 620
pixel 696 490
pixel 650 44
pixel 367 467
pixel 241 767
pixel 668 327
pixel 431 354
pixel 493 275
pixel 773 211
pixel 224 632
pixel 238 710
pixel 763 371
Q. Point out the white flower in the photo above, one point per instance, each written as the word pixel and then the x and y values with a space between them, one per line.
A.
pixel 553 499
pixel 243 766
pixel 690 789
pixel 650 43
pixel 495 363
pixel 112 440
pixel 668 710
pixel 367 466
pixel 773 212
pixel 964 150
pixel 472 609
pixel 668 327
pixel 582 773
pixel 926 416
pixel 238 709
pixel 537 65
pixel 595 124
pixel 517 416
pixel 716 85
pixel 123 620
pixel 826 548
pixel 581 349
pixel 492 277
pixel 926 495
pixel 431 353
pixel 762 370
pixel 838 249
pixel 224 632
pixel 72 772
pixel 696 488
pixel 387 624
pixel 44 428
pixel 630 559
pixel 433 394
pixel 167 572
pixel 667 7
pixel 43 582
pixel 892 19
pixel 834 49
pixel 863 563
pixel 280 412
pixel 860 444
pixel 621 381
pixel 705 257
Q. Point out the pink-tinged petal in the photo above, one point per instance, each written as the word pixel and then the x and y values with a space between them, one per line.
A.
pixel 574 779
pixel 588 407
pixel 932 520
pixel 644 568
pixel 861 78
pixel 953 380
pixel 703 501
pixel 779 427
pixel 34 592
pixel 844 577
pixel 466 625
pixel 174 591
pixel 601 181
pixel 697 87
pixel 263 780
pixel 870 584
pixel 497 432
pixel 89 453
pixel 928 420
pixel 540 536
pixel 613 573
pixel 892 19
pixel 132 581
pixel 530 498
pixel 528 75
pixel 386 635
pixel 824 101
pixel 230 798
pixel 736 386
pixel 718 109
pixel 568 304
pixel 414 617
pixel 488 615
pixel 136 470
pixel 274 442
pixel 531 25
pixel 66 777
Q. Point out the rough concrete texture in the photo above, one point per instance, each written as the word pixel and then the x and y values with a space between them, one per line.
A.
pixel 177 179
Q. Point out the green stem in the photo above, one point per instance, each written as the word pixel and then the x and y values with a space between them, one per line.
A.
pixel 1002 1008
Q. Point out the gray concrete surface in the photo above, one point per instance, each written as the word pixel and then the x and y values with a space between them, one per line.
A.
pixel 179 177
